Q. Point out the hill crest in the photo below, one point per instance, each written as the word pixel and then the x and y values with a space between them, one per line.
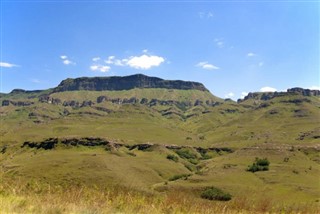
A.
pixel 118 83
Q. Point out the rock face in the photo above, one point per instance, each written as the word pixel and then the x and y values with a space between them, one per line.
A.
pixel 51 143
pixel 125 83
pixel 19 91
pixel 50 100
pixel 270 95
pixel 16 103
pixel 304 92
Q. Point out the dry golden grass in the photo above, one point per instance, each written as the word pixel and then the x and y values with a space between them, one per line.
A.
pixel 33 197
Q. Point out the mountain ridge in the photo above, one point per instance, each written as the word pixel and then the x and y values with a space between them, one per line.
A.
pixel 270 95
pixel 141 81
pixel 117 83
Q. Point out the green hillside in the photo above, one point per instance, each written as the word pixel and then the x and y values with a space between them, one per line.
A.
pixel 161 144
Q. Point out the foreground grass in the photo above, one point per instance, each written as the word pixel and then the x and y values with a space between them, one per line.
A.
pixel 33 197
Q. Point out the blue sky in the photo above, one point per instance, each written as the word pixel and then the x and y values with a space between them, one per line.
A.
pixel 231 47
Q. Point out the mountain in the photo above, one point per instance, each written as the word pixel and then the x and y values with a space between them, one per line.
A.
pixel 271 95
pixel 125 83
pixel 154 135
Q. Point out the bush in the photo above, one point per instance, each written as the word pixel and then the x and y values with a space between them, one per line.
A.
pixel 193 161
pixel 173 158
pixel 176 177
pixel 213 193
pixel 259 165
pixel 186 153
pixel 262 162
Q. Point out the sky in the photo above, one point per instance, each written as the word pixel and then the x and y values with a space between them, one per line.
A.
pixel 232 47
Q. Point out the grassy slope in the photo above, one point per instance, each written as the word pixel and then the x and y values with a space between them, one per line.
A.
pixel 254 131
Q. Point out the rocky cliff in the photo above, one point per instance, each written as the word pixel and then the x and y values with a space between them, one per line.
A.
pixel 125 83
pixel 271 95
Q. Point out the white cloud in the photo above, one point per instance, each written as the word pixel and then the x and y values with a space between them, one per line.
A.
pixel 207 66
pixel 144 61
pixel 119 62
pixel 219 42
pixel 95 59
pixel 243 94
pixel 110 60
pixel 261 64
pixel 268 89
pixel 101 68
pixel 251 54
pixel 7 65
pixel 94 67
pixel 314 87
pixel 229 95
pixel 68 62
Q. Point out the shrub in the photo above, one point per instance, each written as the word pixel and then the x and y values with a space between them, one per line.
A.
pixel 259 165
pixel 173 158
pixel 189 155
pixel 262 162
pixel 201 137
pixel 176 177
pixel 193 161
pixel 190 167
pixel 186 153
pixel 213 193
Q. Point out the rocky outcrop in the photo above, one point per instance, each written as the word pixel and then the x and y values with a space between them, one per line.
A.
pixel 101 99
pixel 87 103
pixel 154 102
pixel 5 102
pixel 198 103
pixel 88 141
pixel 304 92
pixel 270 95
pixel 144 101
pixel 46 144
pixel 125 83
pixel 50 100
pixel 16 103
pixel 21 91
pixel 141 147
pixel 51 143
pixel 308 134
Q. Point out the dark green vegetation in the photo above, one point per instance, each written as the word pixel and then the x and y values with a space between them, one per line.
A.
pixel 213 193
pixel 163 140
pixel 259 165
pixel 173 158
